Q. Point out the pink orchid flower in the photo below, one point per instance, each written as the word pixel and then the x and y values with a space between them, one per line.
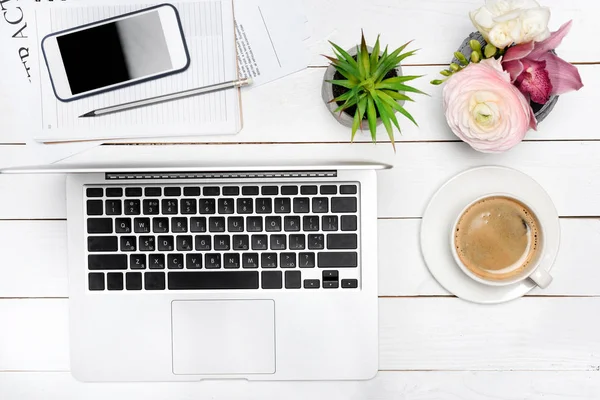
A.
pixel 537 72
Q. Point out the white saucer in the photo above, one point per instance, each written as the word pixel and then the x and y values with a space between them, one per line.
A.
pixel 447 203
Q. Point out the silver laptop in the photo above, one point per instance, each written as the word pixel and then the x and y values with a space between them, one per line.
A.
pixel 258 273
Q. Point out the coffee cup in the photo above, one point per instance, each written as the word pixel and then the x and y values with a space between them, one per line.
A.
pixel 498 240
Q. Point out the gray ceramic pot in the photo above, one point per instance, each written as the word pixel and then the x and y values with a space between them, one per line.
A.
pixel 541 111
pixel 327 94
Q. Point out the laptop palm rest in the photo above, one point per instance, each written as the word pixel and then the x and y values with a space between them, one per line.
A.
pixel 220 337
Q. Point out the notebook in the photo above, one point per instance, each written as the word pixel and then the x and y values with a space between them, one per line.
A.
pixel 208 27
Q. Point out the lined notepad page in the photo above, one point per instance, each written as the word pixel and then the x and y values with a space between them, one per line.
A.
pixel 208 29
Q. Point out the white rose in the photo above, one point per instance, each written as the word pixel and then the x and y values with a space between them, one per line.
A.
pixel 506 22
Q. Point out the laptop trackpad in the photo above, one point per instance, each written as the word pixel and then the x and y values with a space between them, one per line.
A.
pixel 216 337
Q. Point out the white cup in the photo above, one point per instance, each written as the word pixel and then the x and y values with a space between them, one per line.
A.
pixel 538 275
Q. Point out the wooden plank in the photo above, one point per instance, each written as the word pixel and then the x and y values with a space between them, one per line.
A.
pixel 443 385
pixel 438 26
pixel 415 334
pixel 567 170
pixel 402 271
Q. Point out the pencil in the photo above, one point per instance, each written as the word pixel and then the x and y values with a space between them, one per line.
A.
pixel 167 97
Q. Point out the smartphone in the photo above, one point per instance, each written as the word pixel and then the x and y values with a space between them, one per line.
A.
pixel 115 52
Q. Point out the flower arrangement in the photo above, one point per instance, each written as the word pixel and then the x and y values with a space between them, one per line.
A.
pixel 368 86
pixel 489 94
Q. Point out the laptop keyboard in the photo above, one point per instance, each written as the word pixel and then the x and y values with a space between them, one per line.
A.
pixel 223 237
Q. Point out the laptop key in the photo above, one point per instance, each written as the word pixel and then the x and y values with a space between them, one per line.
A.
pixel 156 261
pixel 211 191
pixel 348 189
pixel 114 281
pixel 306 260
pixel 160 225
pixel 226 206
pixel 179 225
pixel 301 205
pixel 99 225
pixel 123 225
pixel 316 241
pixel 330 284
pixel 193 261
pixel 206 206
pixel 191 191
pixel 128 243
pixel 151 207
pixel 188 206
pixel 283 205
pixel 291 223
pixel 231 191
pixel 154 281
pixel 330 275
pixel 169 206
pixel 268 260
pixel 338 259
pixel 293 279
pixel 349 283
pixel 94 192
pixel 94 207
pixel 310 223
pixel 147 243
pixel 165 243
pixel 132 207
pixel 232 260
pixel 137 261
pixel 216 280
pixel 241 242
pixel 99 262
pixel 312 284
pixel 216 224
pixel 222 242
pixel 320 205
pixel 264 206
pixel 308 190
pixel 198 224
pixel 184 243
pixel 235 224
pixel 153 192
pixel 203 243
pixel 273 224
pixel 342 241
pixel 133 281
pixel 212 261
pixel 250 190
pixel 328 189
pixel 250 260
pixel 172 191
pixel 278 242
pixel 287 260
pixel 96 281
pixel 343 205
pixel 289 190
pixel 259 242
pixel 269 191
pixel 330 223
pixel 114 192
pixel 114 207
pixel 175 261
pixel 245 206
pixel 254 224
pixel 271 279
pixel 141 225
pixel 349 223
pixel 297 242
pixel 102 243
pixel 133 192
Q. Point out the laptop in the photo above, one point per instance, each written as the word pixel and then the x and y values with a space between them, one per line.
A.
pixel 259 273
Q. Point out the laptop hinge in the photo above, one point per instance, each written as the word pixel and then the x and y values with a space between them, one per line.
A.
pixel 221 175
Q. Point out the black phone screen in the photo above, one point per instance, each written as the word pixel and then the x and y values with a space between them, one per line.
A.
pixel 116 52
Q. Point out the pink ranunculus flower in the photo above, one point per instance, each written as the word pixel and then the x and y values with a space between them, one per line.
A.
pixel 484 109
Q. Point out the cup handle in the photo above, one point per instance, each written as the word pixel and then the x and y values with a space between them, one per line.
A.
pixel 541 277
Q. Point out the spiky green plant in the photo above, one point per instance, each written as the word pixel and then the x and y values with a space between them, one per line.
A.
pixel 369 90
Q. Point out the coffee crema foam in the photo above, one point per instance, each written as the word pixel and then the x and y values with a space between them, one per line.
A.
pixel 497 238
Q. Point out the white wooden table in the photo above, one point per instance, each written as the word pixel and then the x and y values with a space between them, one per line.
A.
pixel 432 345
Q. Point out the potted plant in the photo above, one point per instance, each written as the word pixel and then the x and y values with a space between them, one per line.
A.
pixel 364 87
pixel 505 78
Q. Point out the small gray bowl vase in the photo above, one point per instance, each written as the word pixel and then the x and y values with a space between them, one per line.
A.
pixel 327 95
pixel 542 112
